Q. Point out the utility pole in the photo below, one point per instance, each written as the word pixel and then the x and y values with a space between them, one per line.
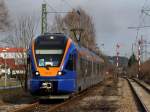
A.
pixel 77 33
pixel 139 58
pixel 45 12
pixel 117 55
pixel 5 56
pixel 5 70
pixel 44 19
pixel 142 49
pixel 117 60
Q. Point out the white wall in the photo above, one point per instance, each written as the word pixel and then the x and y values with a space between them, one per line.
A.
pixel 8 55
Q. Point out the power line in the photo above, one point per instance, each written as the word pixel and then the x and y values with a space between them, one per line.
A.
pixel 50 6
pixel 68 4
pixel 138 27
pixel 141 22
pixel 59 12
pixel 145 12
pixel 44 23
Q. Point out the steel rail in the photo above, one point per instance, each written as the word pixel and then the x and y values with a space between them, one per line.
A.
pixel 138 98
pixel 142 85
pixel 26 108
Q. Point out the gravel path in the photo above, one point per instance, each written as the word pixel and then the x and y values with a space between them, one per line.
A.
pixel 102 98
pixel 127 101
pixel 111 96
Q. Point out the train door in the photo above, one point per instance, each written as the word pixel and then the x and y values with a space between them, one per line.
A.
pixel 70 71
pixel 80 73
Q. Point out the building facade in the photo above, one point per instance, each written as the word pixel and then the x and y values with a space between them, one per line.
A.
pixel 12 61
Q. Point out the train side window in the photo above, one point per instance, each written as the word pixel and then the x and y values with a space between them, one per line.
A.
pixel 98 69
pixel 74 62
pixel 71 63
pixel 82 66
pixel 90 68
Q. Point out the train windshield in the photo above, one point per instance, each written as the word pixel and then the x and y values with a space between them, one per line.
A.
pixel 49 50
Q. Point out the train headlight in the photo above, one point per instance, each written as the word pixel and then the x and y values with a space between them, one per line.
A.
pixel 51 37
pixel 59 73
pixel 37 73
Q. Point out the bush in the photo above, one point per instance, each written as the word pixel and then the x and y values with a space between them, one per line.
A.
pixel 144 73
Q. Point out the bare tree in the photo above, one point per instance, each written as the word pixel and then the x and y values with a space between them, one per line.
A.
pixel 22 32
pixel 4 17
pixel 58 25
pixel 20 37
pixel 75 20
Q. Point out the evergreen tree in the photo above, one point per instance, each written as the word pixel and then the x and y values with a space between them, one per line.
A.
pixel 132 60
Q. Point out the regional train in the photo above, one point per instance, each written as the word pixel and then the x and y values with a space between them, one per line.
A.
pixel 58 67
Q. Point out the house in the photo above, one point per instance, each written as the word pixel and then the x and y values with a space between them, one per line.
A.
pixel 12 61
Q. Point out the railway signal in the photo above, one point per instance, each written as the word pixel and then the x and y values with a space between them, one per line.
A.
pixel 139 57
pixel 117 55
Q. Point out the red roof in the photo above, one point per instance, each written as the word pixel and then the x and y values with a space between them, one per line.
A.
pixel 12 49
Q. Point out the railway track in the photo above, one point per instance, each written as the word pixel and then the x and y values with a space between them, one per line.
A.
pixel 26 108
pixel 35 107
pixel 141 93
pixel 39 107
pixel 144 85
pixel 53 105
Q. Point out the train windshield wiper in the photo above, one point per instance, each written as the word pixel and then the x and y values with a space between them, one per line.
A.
pixel 47 67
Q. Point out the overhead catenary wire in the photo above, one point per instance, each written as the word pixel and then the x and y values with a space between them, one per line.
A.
pixel 146 11
pixel 68 4
pixel 141 24
pixel 142 18
pixel 51 7
pixel 54 11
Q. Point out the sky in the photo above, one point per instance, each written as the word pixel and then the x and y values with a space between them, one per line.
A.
pixel 111 18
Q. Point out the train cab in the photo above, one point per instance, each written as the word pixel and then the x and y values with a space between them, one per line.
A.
pixel 52 61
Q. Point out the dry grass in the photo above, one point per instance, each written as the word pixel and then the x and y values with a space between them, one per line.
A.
pixel 133 70
pixel 15 96
pixel 145 71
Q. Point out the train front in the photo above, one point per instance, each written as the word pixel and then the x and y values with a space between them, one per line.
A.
pixel 50 63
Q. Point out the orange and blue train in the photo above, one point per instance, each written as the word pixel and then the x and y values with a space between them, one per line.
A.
pixel 58 67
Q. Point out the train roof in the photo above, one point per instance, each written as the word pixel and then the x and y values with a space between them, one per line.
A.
pixel 56 34
pixel 87 54
pixel 83 52
pixel 47 35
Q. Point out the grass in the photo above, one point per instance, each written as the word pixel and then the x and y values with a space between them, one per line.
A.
pixel 16 96
pixel 11 91
pixel 9 83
